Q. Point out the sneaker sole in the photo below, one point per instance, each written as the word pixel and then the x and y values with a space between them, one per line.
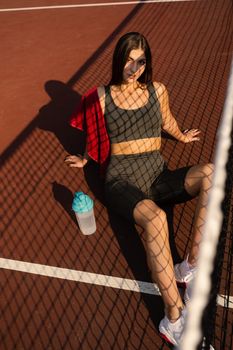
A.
pixel 166 339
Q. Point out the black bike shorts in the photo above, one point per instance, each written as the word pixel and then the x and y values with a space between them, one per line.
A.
pixel 122 195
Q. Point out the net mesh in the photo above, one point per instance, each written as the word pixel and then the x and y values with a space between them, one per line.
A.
pixel 216 252
pixel 191 56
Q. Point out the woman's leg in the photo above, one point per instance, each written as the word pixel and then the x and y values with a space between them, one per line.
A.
pixel 156 239
pixel 198 182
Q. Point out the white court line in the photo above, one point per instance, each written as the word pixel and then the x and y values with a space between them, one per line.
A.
pixel 91 278
pixel 101 4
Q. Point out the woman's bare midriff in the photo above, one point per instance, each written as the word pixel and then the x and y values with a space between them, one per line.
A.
pixel 136 146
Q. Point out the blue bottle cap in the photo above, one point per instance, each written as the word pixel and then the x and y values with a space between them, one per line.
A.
pixel 82 203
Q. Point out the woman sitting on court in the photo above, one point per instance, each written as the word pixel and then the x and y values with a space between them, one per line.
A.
pixel 123 124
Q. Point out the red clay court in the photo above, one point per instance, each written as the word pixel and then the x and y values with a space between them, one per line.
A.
pixel 60 289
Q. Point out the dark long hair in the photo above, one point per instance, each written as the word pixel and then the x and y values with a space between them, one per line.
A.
pixel 126 43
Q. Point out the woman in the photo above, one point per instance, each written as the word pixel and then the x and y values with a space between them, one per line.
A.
pixel 128 116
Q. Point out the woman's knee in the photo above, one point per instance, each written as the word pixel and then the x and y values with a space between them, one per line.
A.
pixel 208 170
pixel 146 212
pixel 199 177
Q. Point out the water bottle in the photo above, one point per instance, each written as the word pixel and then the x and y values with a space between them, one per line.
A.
pixel 83 207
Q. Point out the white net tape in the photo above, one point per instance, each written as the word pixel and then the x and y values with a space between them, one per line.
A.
pixel 202 284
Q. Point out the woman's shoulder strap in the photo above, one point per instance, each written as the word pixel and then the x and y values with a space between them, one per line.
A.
pixel 107 89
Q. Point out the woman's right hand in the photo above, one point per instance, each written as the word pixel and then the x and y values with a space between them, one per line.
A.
pixel 76 161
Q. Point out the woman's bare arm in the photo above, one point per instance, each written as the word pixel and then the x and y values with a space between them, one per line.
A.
pixel 170 124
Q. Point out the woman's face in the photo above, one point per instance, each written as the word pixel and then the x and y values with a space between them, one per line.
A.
pixel 135 66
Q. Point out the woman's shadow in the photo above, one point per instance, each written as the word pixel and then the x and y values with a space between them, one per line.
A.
pixel 55 115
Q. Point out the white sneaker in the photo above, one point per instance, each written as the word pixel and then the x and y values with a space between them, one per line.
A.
pixel 184 272
pixel 172 331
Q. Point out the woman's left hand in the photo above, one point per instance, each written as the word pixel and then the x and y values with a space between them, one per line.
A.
pixel 191 135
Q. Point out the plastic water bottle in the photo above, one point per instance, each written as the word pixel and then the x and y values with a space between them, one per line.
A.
pixel 83 207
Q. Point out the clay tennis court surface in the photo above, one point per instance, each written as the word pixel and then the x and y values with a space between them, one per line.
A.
pixel 60 289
